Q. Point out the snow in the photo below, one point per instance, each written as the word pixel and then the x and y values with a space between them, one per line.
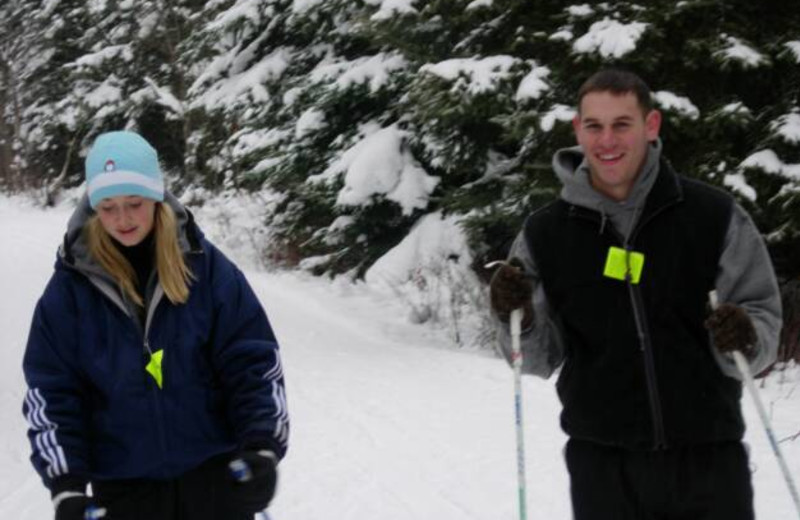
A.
pixel 165 98
pixel 110 53
pixel 389 8
pixel 309 121
pixel 148 25
pixel 389 421
pixel 249 141
pixel 580 11
pixel 430 270
pixel 379 164
pixel 680 104
pixel 372 70
pixel 558 112
pixel 788 127
pixel 533 84
pixel 473 75
pixel 241 80
pixel 737 50
pixel 610 38
pixel 242 10
pixel 737 108
pixel 433 238
pixel 769 162
pixel 301 6
pixel 738 183
pixel 794 48
pixel 475 4
pixel 106 93
pixel 96 6
pixel 562 35
pixel 765 160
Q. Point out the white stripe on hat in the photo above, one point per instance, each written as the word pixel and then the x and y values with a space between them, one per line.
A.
pixel 117 177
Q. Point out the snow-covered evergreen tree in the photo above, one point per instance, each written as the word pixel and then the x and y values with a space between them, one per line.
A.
pixel 366 115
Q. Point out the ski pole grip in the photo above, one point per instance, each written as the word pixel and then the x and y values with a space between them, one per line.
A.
pixel 713 300
pixel 93 512
pixel 240 470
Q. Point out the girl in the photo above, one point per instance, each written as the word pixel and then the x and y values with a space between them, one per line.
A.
pixel 152 368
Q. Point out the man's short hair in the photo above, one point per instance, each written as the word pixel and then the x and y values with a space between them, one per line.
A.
pixel 618 82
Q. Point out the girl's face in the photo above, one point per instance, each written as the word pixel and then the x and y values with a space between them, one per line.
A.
pixel 128 219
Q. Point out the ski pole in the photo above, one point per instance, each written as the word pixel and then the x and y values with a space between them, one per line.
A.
pixel 744 369
pixel 516 363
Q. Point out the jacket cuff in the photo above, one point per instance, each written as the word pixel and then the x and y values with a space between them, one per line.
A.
pixel 69 483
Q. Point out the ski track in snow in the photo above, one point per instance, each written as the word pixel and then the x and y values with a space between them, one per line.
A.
pixel 387 421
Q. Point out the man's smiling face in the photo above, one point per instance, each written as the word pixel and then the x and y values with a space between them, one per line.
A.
pixel 615 134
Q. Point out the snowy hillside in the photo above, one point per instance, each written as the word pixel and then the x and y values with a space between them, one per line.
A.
pixel 389 421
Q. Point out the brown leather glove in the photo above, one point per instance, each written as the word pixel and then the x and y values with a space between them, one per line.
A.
pixel 510 289
pixel 731 329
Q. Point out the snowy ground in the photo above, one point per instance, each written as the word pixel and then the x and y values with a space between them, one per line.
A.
pixel 389 421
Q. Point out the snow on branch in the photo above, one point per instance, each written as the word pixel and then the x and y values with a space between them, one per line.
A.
pixel 389 8
pixel 248 81
pixel 737 183
pixel 769 162
pixel 475 4
pixel 736 50
pixel 794 48
pixel 610 38
pixel 533 85
pixel 110 53
pixel 558 112
pixel 473 75
pixel 580 11
pixel 372 70
pixel 680 104
pixel 380 164
pixel 787 127
pixel 165 98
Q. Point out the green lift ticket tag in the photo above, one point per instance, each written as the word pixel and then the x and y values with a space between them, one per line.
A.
pixel 154 367
pixel 620 260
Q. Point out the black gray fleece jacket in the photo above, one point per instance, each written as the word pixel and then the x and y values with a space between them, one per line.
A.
pixel 745 275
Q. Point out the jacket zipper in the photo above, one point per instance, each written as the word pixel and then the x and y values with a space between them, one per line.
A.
pixel 160 416
pixel 643 330
pixel 656 414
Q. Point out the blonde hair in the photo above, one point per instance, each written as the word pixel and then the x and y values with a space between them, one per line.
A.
pixel 173 273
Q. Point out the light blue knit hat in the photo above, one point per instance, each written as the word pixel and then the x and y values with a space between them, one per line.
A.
pixel 123 163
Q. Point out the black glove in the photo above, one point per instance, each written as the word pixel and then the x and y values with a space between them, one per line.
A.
pixel 731 329
pixel 78 507
pixel 510 289
pixel 70 500
pixel 255 475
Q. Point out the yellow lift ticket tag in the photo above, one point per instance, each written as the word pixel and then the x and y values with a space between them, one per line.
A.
pixel 154 367
pixel 620 260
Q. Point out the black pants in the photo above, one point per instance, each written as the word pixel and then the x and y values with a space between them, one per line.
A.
pixel 203 493
pixel 702 482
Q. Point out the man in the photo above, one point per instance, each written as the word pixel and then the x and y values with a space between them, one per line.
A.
pixel 614 280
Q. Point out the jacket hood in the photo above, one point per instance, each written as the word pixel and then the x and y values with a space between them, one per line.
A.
pixel 572 169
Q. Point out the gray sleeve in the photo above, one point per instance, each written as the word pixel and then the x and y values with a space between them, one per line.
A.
pixel 746 278
pixel 541 343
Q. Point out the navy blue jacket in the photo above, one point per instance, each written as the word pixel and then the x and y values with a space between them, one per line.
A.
pixel 93 410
